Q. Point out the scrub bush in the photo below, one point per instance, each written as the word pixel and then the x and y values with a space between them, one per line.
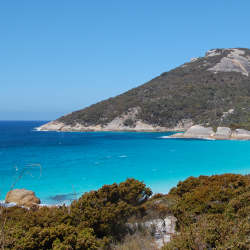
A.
pixel 85 224
pixel 212 213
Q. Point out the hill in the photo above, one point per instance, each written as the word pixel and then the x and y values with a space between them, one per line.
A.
pixel 212 90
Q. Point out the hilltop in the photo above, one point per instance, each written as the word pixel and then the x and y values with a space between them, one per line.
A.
pixel 213 90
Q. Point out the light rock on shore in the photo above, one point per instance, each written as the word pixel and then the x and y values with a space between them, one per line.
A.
pixel 192 131
pixel 241 134
pixel 222 133
pixel 196 131
pixel 22 197
pixel 118 124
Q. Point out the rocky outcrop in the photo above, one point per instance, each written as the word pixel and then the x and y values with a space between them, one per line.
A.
pixel 126 122
pixel 222 133
pixel 213 52
pixel 196 131
pixel 29 199
pixel 22 197
pixel 233 62
pixel 194 59
pixel 241 134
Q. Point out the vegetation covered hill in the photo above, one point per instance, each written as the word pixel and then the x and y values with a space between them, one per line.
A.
pixel 191 91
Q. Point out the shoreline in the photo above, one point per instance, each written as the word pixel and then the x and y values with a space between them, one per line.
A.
pixel 236 135
pixel 190 130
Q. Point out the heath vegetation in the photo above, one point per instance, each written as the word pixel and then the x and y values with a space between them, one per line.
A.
pixel 211 212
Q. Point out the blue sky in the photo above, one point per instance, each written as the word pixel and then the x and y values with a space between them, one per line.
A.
pixel 60 56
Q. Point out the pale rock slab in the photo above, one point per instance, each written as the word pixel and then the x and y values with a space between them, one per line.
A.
pixel 233 62
pixel 241 134
pixel 196 131
pixel 212 52
pixel 29 199
pixel 222 133
pixel 52 126
pixel 194 59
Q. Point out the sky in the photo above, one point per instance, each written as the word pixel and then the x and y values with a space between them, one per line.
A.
pixel 61 56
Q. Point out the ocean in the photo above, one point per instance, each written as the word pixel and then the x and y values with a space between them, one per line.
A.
pixel 64 165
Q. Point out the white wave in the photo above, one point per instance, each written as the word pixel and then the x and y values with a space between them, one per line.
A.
pixel 164 137
pixel 47 205
pixel 96 163
pixel 122 156
pixel 11 204
pixel 39 129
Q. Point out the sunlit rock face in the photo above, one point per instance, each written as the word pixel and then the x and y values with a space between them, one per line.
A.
pixel 222 133
pixel 22 197
pixel 235 61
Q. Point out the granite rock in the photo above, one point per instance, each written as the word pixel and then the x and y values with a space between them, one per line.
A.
pixel 196 131
pixel 17 194
pixel 241 134
pixel 222 133
pixel 21 197
pixel 29 199
pixel 233 62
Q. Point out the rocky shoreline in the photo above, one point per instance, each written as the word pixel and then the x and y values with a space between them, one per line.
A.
pixel 116 125
pixel 191 131
pixel 222 133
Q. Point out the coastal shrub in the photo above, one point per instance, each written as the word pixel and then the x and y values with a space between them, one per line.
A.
pixel 129 122
pixel 107 209
pixel 59 237
pixel 212 213
pixel 89 223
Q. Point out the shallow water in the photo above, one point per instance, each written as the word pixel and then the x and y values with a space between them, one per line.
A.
pixel 84 161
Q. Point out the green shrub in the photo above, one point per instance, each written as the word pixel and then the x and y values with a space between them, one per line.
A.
pixel 102 213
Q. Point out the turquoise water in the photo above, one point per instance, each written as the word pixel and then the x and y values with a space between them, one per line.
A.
pixel 87 161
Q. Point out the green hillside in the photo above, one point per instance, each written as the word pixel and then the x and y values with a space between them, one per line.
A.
pixel 190 91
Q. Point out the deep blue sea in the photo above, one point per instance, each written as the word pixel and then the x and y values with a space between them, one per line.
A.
pixel 64 162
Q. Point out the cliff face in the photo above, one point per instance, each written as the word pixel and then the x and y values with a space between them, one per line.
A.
pixel 213 90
